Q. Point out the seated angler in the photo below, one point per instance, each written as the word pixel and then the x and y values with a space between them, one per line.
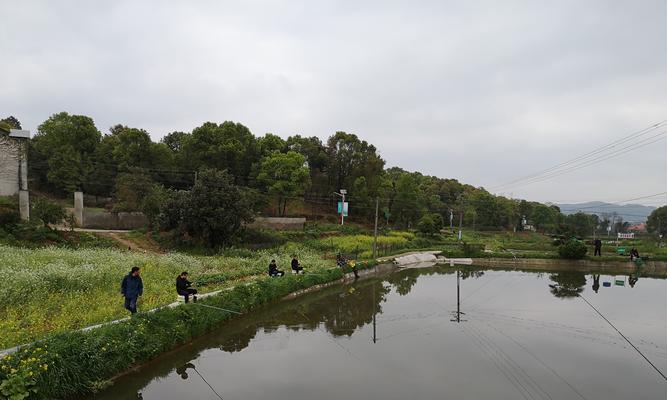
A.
pixel 296 267
pixel 183 287
pixel 273 269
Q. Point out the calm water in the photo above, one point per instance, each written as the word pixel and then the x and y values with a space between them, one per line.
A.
pixel 524 335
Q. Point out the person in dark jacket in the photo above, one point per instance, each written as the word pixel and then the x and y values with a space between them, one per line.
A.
pixel 274 271
pixel 183 287
pixel 131 288
pixel 598 247
pixel 296 267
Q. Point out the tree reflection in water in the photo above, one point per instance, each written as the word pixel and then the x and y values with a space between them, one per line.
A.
pixel 567 284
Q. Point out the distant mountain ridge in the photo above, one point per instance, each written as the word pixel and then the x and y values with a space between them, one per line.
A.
pixel 629 212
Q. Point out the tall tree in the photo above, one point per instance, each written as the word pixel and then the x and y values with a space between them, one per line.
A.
pixel 216 208
pixel 284 176
pixel 67 143
pixel 229 146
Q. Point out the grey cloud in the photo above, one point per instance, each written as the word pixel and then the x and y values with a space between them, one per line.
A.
pixel 480 91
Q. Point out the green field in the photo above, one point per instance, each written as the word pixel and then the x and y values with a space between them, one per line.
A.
pixel 57 289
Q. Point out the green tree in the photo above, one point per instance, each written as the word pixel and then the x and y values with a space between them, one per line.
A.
pixel 215 209
pixel 66 143
pixel 657 221
pixel 48 212
pixel 406 206
pixel 426 225
pixel 349 158
pixel 132 188
pixel 229 146
pixel 284 176
pixel 270 143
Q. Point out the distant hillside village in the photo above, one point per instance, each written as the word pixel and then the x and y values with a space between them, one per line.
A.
pixel 224 173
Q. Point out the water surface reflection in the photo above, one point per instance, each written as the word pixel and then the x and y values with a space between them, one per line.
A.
pixel 392 338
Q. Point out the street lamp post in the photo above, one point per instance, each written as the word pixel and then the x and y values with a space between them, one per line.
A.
pixel 342 194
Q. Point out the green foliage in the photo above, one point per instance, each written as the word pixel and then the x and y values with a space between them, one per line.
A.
pixel 9 212
pixel 66 143
pixel 216 209
pixel 657 221
pixel 228 146
pixel 285 176
pixel 573 249
pixel 48 212
pixel 427 226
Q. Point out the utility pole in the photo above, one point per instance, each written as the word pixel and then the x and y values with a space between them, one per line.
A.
pixel 375 234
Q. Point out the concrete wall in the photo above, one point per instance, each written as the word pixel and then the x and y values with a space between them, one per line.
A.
pixel 9 166
pixel 107 220
pixel 278 223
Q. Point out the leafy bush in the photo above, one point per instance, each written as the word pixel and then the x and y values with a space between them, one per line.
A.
pixel 472 249
pixel 427 226
pixel 573 249
pixel 48 212
pixel 9 212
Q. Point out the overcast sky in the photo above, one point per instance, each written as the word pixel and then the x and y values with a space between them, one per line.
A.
pixel 481 91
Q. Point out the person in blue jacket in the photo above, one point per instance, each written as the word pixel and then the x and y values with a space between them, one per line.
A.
pixel 131 288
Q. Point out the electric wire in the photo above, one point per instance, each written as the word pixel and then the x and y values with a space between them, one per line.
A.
pixel 583 156
pixel 587 163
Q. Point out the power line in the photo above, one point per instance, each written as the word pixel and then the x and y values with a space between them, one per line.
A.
pixel 624 337
pixel 597 160
pixel 581 158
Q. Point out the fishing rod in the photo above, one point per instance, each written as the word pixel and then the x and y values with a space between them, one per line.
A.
pixel 624 337
pixel 218 308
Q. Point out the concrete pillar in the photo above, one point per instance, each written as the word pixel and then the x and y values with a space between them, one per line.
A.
pixel 24 205
pixel 78 208
pixel 24 173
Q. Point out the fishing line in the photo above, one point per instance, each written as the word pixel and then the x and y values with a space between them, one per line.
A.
pixel 209 385
pixel 218 308
pixel 624 337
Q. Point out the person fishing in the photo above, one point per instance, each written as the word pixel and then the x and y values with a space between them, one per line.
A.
pixel 296 267
pixel 598 247
pixel 132 287
pixel 274 271
pixel 183 287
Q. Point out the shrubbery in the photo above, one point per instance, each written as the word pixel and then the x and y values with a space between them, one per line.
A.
pixel 573 249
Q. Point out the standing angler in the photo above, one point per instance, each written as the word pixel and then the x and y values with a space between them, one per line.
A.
pixel 131 288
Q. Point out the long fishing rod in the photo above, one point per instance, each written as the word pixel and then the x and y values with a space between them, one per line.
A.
pixel 624 337
pixel 218 308
pixel 208 384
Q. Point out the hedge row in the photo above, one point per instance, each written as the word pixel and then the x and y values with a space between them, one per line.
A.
pixel 77 363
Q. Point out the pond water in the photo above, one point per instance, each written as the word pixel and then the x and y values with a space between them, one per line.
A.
pixel 523 335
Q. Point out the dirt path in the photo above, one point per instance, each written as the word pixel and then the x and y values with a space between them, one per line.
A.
pixel 131 245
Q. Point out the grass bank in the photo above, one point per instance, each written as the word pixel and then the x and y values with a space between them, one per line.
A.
pixel 77 363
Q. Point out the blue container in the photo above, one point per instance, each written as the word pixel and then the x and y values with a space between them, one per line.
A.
pixel 606 284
